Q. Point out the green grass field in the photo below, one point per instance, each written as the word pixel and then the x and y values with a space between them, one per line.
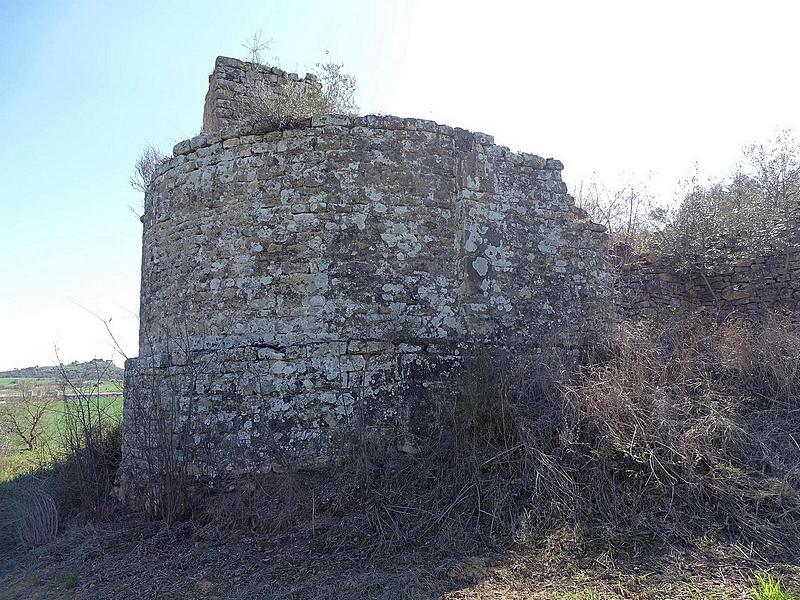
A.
pixel 15 382
pixel 9 384
pixel 15 458
pixel 53 421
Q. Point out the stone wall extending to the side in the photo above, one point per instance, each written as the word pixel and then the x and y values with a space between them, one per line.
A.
pixel 228 86
pixel 306 286
pixel 749 285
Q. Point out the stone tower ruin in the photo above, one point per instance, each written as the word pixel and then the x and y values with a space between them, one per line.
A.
pixel 307 287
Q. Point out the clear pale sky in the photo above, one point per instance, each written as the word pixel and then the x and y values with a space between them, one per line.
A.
pixel 608 87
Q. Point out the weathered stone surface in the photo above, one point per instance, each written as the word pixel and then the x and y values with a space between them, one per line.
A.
pixel 740 281
pixel 324 282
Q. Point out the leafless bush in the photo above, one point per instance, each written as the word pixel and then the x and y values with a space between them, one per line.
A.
pixel 163 466
pixel 156 428
pixel 23 416
pixel 626 211
pixel 145 168
pixel 90 445
pixel 338 88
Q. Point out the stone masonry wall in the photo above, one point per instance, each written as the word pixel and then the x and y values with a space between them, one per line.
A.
pixel 750 286
pixel 228 85
pixel 307 287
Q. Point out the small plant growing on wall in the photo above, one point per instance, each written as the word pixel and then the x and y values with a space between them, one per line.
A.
pixel 257 48
pixel 145 168
pixel 266 106
pixel 338 87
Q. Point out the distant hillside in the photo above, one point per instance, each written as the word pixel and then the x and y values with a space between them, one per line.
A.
pixel 79 371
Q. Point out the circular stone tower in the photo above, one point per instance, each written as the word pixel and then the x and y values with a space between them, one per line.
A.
pixel 307 287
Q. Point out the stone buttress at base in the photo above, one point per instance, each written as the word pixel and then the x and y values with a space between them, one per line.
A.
pixel 305 288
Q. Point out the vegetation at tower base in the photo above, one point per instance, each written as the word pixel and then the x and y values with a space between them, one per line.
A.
pixel 676 434
pixel 677 430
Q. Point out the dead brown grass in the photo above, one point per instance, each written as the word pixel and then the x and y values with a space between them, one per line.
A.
pixel 132 558
pixel 687 428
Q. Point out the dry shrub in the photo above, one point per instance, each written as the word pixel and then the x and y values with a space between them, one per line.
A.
pixel 30 511
pixel 295 102
pixel 162 466
pixel 267 107
pixel 461 492
pixel 778 347
pixel 679 434
pixel 156 429
pixel 89 452
pixel 82 478
pixel 146 167
pixel 273 503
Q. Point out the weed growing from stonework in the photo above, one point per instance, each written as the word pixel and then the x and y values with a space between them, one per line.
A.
pixel 257 48
pixel 338 87
pixel 295 102
pixel 145 168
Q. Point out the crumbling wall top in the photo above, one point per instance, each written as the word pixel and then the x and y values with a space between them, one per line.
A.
pixel 228 85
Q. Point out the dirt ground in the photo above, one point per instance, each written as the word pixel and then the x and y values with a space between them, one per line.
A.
pixel 131 558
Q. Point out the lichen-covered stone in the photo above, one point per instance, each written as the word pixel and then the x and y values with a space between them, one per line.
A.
pixel 323 281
